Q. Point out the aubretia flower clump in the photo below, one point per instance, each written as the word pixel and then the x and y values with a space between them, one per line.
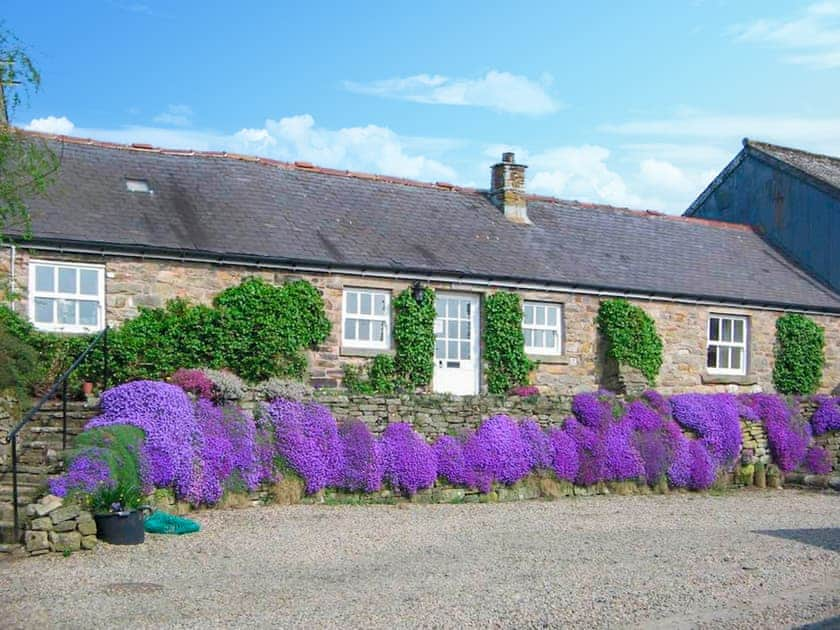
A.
pixel 787 434
pixel 193 382
pixel 525 391
pixel 306 436
pixel 564 460
pixel 165 414
pixel 538 446
pixel 594 409
pixel 363 465
pixel 818 461
pixel 657 402
pixel 623 458
pixel 87 473
pixel 496 452
pixel 591 452
pixel 827 415
pixel 702 466
pixel 409 462
pixel 715 418
pixel 451 465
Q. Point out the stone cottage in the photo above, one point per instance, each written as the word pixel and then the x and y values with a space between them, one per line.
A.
pixel 126 226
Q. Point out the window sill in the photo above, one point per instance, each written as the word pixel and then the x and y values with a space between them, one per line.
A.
pixel 554 359
pixel 365 352
pixel 727 379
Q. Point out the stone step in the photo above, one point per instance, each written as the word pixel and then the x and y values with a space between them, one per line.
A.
pixel 26 493
pixel 10 548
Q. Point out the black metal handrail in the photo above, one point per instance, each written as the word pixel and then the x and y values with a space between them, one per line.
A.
pixel 61 382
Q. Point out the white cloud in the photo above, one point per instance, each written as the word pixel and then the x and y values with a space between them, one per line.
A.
pixel 369 148
pixel 60 125
pixel 811 39
pixel 501 91
pixel 175 115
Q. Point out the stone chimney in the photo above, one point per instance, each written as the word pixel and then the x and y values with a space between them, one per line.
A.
pixel 507 188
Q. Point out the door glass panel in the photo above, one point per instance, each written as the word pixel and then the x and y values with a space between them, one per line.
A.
pixel 44 278
pixel 87 313
pixel 44 310
pixel 440 349
pixel 452 329
pixel 88 282
pixel 465 330
pixel 465 350
pixel 66 280
pixel 464 309
pixel 452 350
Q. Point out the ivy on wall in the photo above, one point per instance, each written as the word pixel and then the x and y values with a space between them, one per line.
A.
pixel 631 336
pixel 504 343
pixel 414 336
pixel 799 355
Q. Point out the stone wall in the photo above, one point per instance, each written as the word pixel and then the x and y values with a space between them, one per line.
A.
pixel 133 282
pixel 54 526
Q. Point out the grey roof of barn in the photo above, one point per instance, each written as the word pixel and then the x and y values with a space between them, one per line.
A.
pixel 229 207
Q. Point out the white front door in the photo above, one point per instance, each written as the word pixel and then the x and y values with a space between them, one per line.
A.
pixel 456 344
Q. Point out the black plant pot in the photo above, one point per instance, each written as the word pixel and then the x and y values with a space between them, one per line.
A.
pixel 121 528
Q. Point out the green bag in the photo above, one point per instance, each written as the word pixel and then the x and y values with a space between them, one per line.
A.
pixel 163 523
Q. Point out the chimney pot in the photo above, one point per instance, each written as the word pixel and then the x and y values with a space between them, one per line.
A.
pixel 507 188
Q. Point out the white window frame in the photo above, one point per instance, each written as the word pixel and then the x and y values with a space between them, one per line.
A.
pixel 57 295
pixel 385 344
pixel 743 345
pixel 556 328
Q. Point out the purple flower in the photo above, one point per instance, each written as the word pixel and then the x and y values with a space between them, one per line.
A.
pixel 716 419
pixel 818 461
pixel 525 391
pixel 193 382
pixel 682 458
pixel 827 415
pixel 86 474
pixel 657 402
pixel 594 409
pixel 787 434
pixel 703 468
pixel 565 462
pixel 496 452
pixel 623 458
pixel 409 461
pixel 538 446
pixel 451 464
pixel 363 465
pixel 591 452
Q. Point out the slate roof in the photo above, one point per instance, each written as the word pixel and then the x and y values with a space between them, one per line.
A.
pixel 824 168
pixel 244 208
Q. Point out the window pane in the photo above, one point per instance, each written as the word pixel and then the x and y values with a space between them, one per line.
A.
pixel 726 330
pixel 539 338
pixel 66 280
pixel 350 329
pixel 452 329
pixel 551 340
pixel 452 350
pixel 364 330
pixel 735 362
pixel 469 308
pixel 723 357
pixel 378 329
pixel 539 315
pixel 379 304
pixel 551 313
pixel 738 335
pixel 87 313
pixel 88 281
pixel 464 311
pixel 44 310
pixel 529 337
pixel 365 306
pixel 711 357
pixel 465 350
pixel 529 314
pixel 352 302
pixel 440 307
pixel 66 311
pixel 714 329
pixel 465 330
pixel 451 308
pixel 440 349
pixel 44 278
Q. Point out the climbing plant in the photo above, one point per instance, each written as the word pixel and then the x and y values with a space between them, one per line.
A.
pixel 799 355
pixel 504 343
pixel 414 336
pixel 631 336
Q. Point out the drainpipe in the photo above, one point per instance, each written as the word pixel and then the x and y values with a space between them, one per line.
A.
pixel 12 283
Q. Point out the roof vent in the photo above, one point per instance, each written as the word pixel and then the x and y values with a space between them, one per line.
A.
pixel 137 186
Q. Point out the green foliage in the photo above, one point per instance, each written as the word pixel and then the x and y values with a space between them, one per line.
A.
pixel 631 337
pixel 27 164
pixel 799 355
pixel 381 377
pixel 266 327
pixel 355 382
pixel 118 445
pixel 504 343
pixel 414 336
pixel 18 364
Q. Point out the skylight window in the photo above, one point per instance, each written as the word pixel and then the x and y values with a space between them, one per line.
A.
pixel 137 185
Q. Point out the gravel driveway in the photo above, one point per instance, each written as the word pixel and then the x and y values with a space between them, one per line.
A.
pixel 747 559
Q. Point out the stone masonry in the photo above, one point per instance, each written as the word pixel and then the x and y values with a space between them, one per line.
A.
pixel 134 282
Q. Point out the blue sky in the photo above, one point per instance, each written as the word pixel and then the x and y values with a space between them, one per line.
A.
pixel 637 104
